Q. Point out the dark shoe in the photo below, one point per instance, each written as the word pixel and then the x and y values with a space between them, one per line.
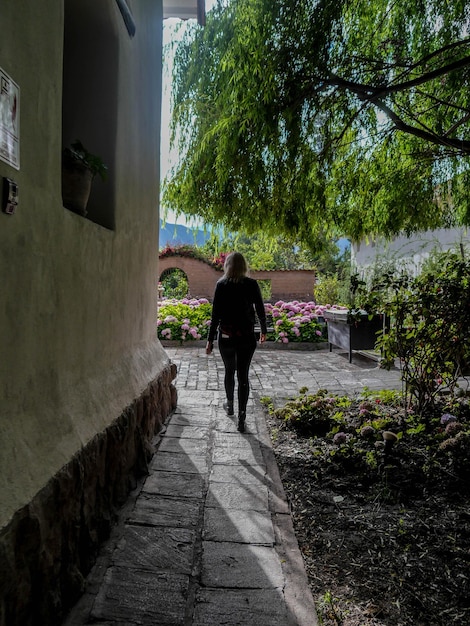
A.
pixel 229 409
pixel 241 422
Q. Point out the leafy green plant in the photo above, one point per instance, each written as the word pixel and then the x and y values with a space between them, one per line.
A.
pixel 77 154
pixel 328 608
pixel 295 321
pixel 174 283
pixel 430 330
pixel 185 320
pixel 374 439
pixel 331 288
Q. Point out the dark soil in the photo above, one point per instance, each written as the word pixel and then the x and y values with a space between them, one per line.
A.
pixel 386 545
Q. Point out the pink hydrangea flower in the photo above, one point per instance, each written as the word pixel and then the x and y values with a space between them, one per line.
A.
pixel 340 438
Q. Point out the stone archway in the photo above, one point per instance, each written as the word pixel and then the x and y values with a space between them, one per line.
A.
pixel 201 276
pixel 173 283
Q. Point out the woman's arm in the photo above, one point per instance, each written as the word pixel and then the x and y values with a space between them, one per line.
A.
pixel 215 318
pixel 261 313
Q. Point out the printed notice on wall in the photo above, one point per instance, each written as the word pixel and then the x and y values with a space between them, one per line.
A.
pixel 9 121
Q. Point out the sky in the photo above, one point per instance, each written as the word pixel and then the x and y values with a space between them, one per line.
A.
pixel 173 29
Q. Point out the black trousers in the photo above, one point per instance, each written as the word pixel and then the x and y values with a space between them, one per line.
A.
pixel 237 354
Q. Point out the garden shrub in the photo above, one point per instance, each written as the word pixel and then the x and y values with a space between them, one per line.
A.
pixel 296 321
pixel 189 319
pixel 184 320
pixel 351 434
pixel 430 329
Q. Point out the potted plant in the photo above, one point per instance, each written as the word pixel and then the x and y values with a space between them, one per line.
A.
pixel 358 327
pixel 79 167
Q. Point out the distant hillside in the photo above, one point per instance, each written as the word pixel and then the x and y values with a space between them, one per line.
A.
pixel 175 234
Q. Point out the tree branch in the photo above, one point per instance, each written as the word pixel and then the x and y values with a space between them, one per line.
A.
pixel 372 93
pixel 457 144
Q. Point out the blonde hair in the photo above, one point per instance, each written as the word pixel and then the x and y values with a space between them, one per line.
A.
pixel 235 267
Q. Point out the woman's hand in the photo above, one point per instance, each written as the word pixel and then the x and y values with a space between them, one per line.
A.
pixel 209 347
pixel 262 338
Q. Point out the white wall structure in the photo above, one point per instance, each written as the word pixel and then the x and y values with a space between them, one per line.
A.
pixel 84 382
pixel 408 252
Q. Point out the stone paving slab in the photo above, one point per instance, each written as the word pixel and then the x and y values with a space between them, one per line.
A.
pixel 150 548
pixel 174 462
pixel 131 596
pixel 155 510
pixel 228 440
pixel 237 455
pixel 188 431
pixel 242 474
pixel 236 496
pixel 235 565
pixel 175 484
pixel 246 607
pixel 238 526
pixel 186 446
pixel 191 420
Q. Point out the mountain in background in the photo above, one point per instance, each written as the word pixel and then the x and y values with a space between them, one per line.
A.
pixel 177 234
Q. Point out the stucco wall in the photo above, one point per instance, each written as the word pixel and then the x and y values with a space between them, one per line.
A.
pixel 408 252
pixel 78 301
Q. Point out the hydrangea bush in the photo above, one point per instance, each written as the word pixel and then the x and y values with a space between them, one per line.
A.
pixel 184 320
pixel 364 430
pixel 189 319
pixel 296 321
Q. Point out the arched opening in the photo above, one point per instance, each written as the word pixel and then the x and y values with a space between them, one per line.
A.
pixel 266 290
pixel 174 283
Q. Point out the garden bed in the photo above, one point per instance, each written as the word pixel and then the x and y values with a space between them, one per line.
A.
pixel 267 345
pixel 386 545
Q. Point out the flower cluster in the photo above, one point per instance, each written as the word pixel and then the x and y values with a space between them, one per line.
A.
pixel 189 319
pixel 184 320
pixel 181 250
pixel 218 261
pixel 192 252
pixel 296 321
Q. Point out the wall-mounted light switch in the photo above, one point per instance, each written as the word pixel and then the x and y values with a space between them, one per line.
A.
pixel 10 196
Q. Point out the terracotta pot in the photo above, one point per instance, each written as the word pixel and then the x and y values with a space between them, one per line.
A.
pixel 76 187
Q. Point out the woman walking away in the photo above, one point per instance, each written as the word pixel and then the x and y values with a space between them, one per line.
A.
pixel 236 299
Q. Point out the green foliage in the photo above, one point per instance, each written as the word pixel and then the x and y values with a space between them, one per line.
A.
pixel 294 321
pixel 184 322
pixel 265 288
pixel 77 153
pixel 319 119
pixel 174 283
pixel 184 250
pixel 332 288
pixel 430 330
pixel 189 319
pixel 267 252
pixel 351 434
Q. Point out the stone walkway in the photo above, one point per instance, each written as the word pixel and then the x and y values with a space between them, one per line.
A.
pixel 207 538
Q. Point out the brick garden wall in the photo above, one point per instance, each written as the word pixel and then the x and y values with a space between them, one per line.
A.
pixel 285 284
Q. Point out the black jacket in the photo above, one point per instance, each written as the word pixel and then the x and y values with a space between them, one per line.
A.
pixel 234 307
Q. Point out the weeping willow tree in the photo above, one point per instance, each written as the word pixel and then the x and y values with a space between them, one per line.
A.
pixel 318 118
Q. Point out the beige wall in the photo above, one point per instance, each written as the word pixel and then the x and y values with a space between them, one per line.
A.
pixel 78 301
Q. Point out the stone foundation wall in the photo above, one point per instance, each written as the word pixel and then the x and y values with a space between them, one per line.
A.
pixel 51 544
